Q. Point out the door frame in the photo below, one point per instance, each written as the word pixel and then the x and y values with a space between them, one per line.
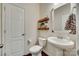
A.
pixel 3 23
pixel 1 30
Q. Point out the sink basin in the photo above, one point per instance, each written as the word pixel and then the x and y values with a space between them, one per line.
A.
pixel 61 43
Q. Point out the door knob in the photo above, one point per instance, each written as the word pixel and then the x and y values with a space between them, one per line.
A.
pixel 23 34
pixel 1 45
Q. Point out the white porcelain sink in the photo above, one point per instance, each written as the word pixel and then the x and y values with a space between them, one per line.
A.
pixel 61 43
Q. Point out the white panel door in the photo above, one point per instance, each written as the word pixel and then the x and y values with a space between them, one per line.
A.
pixel 14 30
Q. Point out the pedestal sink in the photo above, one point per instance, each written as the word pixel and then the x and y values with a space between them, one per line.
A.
pixel 61 43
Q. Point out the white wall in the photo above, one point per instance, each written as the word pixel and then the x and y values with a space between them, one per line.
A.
pixel 31 17
pixel 45 9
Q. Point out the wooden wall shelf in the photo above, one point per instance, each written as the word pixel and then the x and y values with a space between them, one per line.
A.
pixel 43 28
pixel 44 19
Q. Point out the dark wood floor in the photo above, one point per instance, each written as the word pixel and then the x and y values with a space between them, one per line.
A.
pixel 43 54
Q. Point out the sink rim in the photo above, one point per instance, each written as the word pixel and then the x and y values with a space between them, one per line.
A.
pixel 68 43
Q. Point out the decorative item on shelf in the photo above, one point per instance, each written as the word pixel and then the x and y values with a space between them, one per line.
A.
pixel 43 24
pixel 71 24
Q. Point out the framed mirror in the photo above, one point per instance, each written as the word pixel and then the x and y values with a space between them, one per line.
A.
pixel 65 19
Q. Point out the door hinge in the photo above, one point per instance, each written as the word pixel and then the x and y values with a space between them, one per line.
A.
pixel 4 31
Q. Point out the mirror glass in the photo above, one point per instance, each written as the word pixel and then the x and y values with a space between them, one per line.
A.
pixel 62 16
